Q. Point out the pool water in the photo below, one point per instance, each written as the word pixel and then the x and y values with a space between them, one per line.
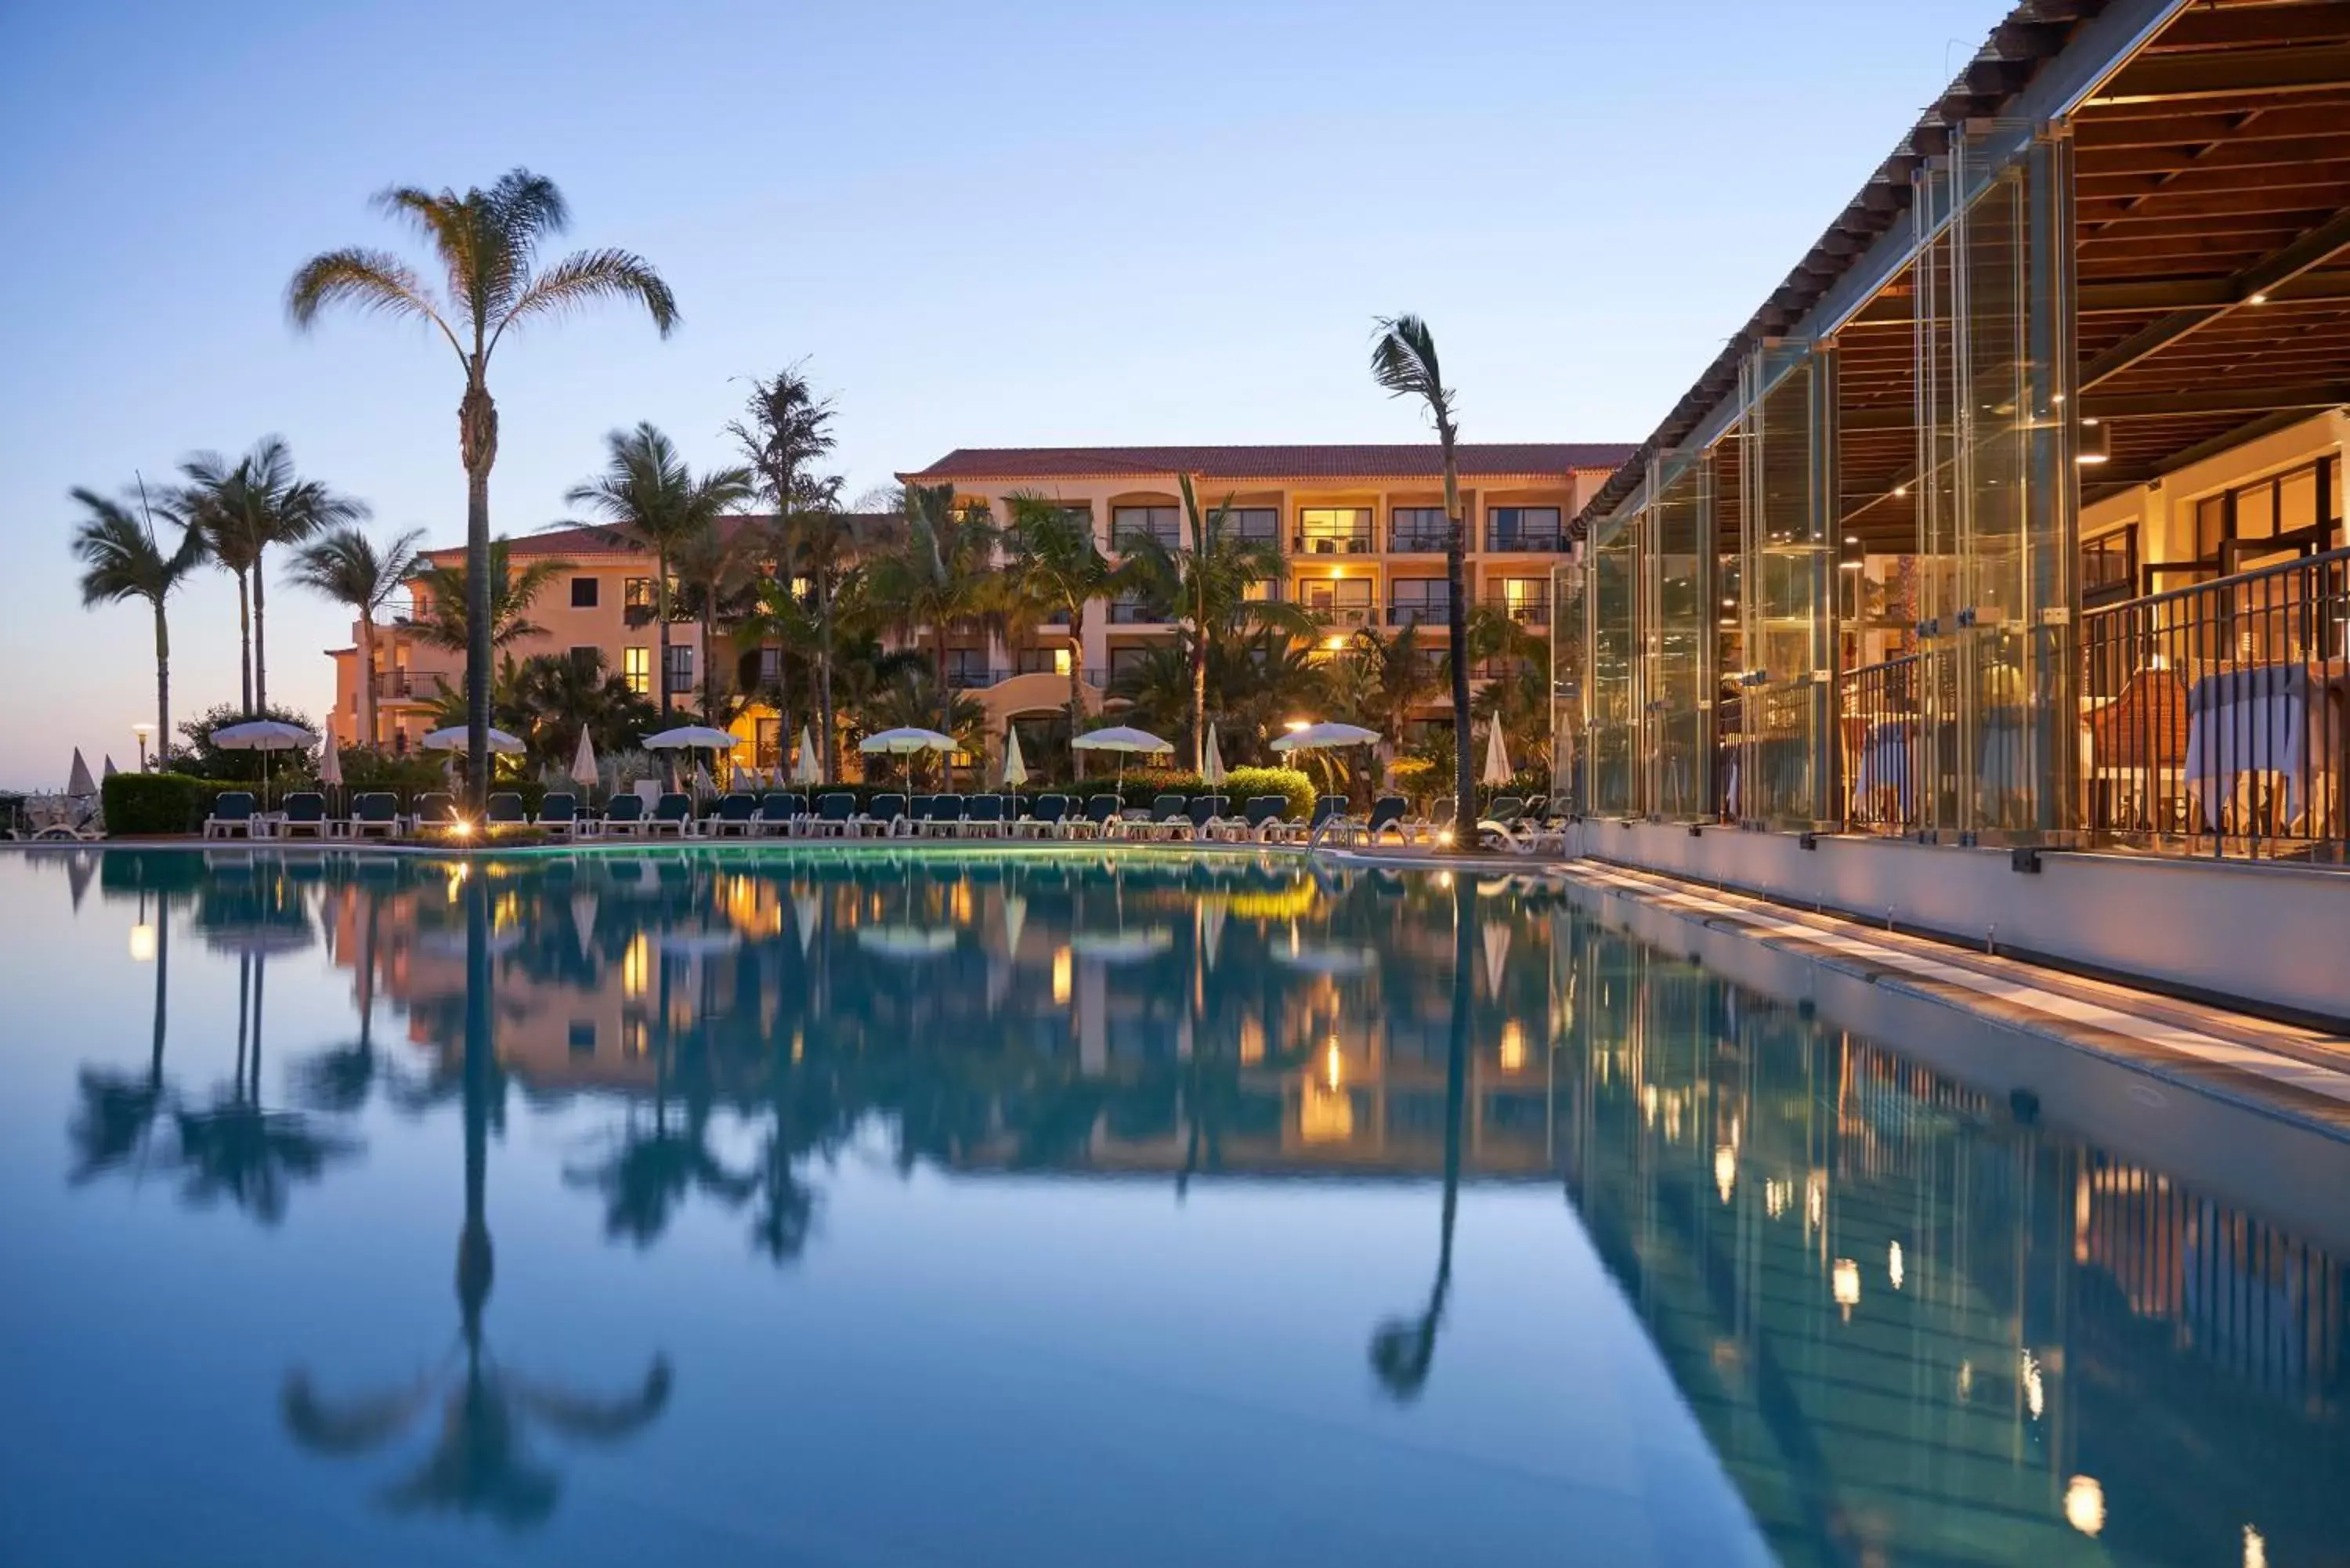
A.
pixel 1044 1207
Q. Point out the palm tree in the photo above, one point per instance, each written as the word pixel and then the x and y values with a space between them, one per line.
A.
pixel 122 560
pixel 827 544
pixel 942 577
pixel 1403 360
pixel 1058 566
pixel 713 565
pixel 556 695
pixel 344 565
pixel 785 431
pixel 447 619
pixel 1379 679
pixel 486 242
pixel 647 493
pixel 243 508
pixel 1207 586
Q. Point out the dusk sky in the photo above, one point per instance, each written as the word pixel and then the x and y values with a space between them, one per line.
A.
pixel 1020 224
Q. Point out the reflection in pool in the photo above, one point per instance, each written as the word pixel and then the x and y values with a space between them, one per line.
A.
pixel 1071 1208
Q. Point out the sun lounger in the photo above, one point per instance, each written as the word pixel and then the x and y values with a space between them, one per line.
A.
pixel 624 817
pixel 982 817
pixel 836 815
pixel 673 812
pixel 434 810
pixel 306 812
pixel 376 812
pixel 231 814
pixel 779 813
pixel 884 816
pixel 1205 811
pixel 1170 818
pixel 737 816
pixel 941 816
pixel 1497 828
pixel 504 809
pixel 1043 819
pixel 559 815
pixel 1100 811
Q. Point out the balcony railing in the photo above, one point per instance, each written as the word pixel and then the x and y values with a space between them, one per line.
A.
pixel 1133 612
pixel 973 680
pixel 1524 611
pixel 1356 543
pixel 414 685
pixel 1435 615
pixel 1345 617
pixel 1543 541
pixel 1418 541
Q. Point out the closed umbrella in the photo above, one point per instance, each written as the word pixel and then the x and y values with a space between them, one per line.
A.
pixel 1497 757
pixel 702 784
pixel 811 767
pixel 109 770
pixel 1211 761
pixel 583 765
pixel 1123 740
pixel 1016 766
pixel 330 762
pixel 78 779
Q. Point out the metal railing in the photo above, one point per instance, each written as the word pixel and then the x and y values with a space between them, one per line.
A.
pixel 414 685
pixel 2216 718
pixel 1351 616
pixel 970 679
pixel 1417 541
pixel 1524 611
pixel 1133 612
pixel 1356 543
pixel 1879 714
pixel 1419 614
pixel 1544 541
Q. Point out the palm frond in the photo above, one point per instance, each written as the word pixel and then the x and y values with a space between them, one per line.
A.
pixel 588 277
pixel 1403 360
pixel 372 281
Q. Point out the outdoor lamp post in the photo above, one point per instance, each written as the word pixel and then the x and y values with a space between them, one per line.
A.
pixel 142 730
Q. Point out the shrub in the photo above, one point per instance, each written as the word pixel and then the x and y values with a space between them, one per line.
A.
pixel 1290 783
pixel 198 757
pixel 156 802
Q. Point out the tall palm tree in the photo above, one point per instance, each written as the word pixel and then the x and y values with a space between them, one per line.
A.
pixel 940 577
pixel 121 559
pixel 714 566
pixel 344 565
pixel 1058 566
pixel 785 431
pixel 486 242
pixel 827 544
pixel 647 493
pixel 1207 585
pixel 244 507
pixel 1379 679
pixel 1403 360
pixel 506 594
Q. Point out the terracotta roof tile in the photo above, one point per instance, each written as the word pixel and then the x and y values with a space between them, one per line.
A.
pixel 581 540
pixel 1420 461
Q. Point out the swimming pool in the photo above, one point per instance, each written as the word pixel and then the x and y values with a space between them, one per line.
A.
pixel 1060 1206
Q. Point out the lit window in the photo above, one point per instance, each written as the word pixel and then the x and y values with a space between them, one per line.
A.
pixel 637 667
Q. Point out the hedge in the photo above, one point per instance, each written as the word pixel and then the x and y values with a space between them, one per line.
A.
pixel 158 803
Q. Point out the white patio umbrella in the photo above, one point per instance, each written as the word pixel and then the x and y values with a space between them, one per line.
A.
pixel 452 739
pixel 810 770
pixel 1122 739
pixel 902 941
pixel 108 770
pixel 1211 761
pixel 582 763
pixel 1016 766
pixel 692 738
pixel 78 779
pixel 1326 737
pixel 905 743
pixel 1497 757
pixel 262 735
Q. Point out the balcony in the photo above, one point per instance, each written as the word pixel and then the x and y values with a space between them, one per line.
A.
pixel 1418 541
pixel 1355 542
pixel 1435 615
pixel 1133 612
pixel 1525 611
pixel 1345 617
pixel 414 685
pixel 977 679
pixel 1531 540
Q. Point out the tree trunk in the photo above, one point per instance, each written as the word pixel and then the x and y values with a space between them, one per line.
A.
pixel 708 654
pixel 946 712
pixel 162 980
pixel 244 642
pixel 260 640
pixel 1076 686
pixel 162 686
pixel 1456 618
pixel 661 634
pixel 477 432
pixel 824 677
pixel 367 678
pixel 1199 696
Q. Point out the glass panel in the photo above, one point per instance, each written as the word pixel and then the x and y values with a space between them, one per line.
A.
pixel 2256 512
pixel 2211 526
pixel 1614 715
pixel 1678 633
pixel 2297 501
pixel 1789 599
pixel 1569 672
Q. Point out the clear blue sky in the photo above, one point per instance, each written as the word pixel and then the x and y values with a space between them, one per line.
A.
pixel 990 225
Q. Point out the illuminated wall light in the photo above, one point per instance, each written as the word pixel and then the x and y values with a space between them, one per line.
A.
pixel 142 943
pixel 1062 964
pixel 1845 1282
pixel 2085 1505
pixel 1893 1269
pixel 2035 1390
pixel 2095 445
pixel 636 965
pixel 1725 1170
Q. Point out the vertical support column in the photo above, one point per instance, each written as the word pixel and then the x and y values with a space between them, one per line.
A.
pixel 1787 571
pixel 1570 663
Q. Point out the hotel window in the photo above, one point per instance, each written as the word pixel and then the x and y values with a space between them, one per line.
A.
pixel 1419 601
pixel 1128 523
pixel 1253 524
pixel 582 1037
pixel 681 668
pixel 967 665
pixel 2109 568
pixel 1418 530
pixel 583 593
pixel 1042 661
pixel 587 659
pixel 1333 530
pixel 1522 528
pixel 1526 600
pixel 637 669
pixel 771 667
pixel 636 600
pixel 1336 601
pixel 2297 513
pixel 1124 659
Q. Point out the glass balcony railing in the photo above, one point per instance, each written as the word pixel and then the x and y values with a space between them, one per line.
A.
pixel 1355 542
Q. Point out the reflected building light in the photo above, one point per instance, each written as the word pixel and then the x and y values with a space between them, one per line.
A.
pixel 636 965
pixel 1775 1198
pixel 1966 1381
pixel 1061 968
pixel 142 943
pixel 1725 1170
pixel 1252 1040
pixel 2035 1391
pixel 1846 1285
pixel 1514 1046
pixel 2085 1505
pixel 1333 1067
pixel 1893 1269
pixel 2256 1549
pixel 1815 1201
pixel 1648 1104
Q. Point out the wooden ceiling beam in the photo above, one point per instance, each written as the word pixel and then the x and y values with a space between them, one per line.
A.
pixel 2302 255
pixel 2187 75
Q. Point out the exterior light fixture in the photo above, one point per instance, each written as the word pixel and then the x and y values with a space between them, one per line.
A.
pixel 1900 490
pixel 460 828
pixel 2256 299
pixel 2096 446
pixel 142 943
pixel 1294 725
pixel 1846 1281
pixel 2085 1504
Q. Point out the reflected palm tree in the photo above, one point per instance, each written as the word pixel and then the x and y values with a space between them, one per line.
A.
pixel 342 1077
pixel 1403 1349
pixel 119 1110
pixel 480 1462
